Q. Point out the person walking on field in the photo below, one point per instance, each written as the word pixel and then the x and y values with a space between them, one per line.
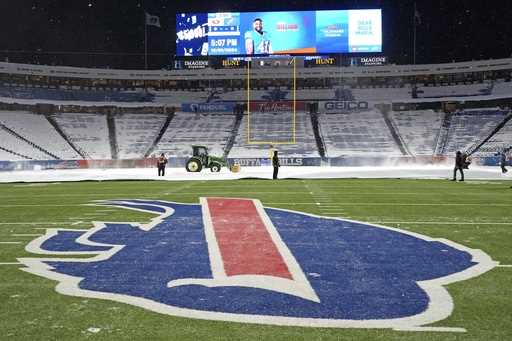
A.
pixel 503 162
pixel 275 164
pixel 459 165
pixel 160 163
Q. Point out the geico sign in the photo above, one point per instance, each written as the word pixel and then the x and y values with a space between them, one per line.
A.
pixel 346 105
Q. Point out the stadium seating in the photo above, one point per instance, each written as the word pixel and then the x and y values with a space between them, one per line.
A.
pixel 135 133
pixel 6 156
pixel 275 128
pixel 470 127
pixel 38 130
pixel 14 143
pixel 381 94
pixel 89 133
pixel 462 90
pixel 500 141
pixel 502 89
pixel 358 133
pixel 186 129
pixel 418 129
pixel 75 95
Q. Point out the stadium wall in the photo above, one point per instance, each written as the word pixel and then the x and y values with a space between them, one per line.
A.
pixel 349 161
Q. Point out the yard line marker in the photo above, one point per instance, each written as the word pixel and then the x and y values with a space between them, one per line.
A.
pixel 504 266
pixel 39 205
pixel 389 204
pixel 36 223
pixel 26 235
pixel 11 263
pixel 440 223
pixel 10 242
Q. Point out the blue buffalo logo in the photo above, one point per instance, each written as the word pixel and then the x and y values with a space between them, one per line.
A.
pixel 235 260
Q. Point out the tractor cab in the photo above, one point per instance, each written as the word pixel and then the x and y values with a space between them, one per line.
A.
pixel 200 152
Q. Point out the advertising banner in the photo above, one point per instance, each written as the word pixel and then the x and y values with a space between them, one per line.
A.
pixel 208 107
pixel 344 106
pixel 282 106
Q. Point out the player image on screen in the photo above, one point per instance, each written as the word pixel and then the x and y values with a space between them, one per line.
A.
pixel 257 41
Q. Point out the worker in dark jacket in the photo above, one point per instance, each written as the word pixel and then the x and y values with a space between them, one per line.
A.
pixel 459 165
pixel 160 163
pixel 275 164
pixel 503 162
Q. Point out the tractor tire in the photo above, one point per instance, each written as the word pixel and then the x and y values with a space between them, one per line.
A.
pixel 194 165
pixel 215 167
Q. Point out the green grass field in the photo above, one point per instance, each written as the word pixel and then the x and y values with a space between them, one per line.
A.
pixel 475 214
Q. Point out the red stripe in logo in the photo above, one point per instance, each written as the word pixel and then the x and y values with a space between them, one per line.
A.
pixel 245 245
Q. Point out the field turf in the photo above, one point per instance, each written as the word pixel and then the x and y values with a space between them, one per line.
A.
pixel 475 214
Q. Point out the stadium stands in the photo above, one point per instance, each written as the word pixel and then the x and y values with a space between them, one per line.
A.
pixel 468 127
pixel 212 130
pixel 89 132
pixel 16 144
pixel 135 133
pixel 502 89
pixel 75 95
pixel 277 129
pixel 358 133
pixel 38 130
pixel 7 156
pixel 463 90
pixel 418 129
pixel 500 141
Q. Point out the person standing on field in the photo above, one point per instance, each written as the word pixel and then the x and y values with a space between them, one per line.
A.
pixel 503 162
pixel 275 164
pixel 459 165
pixel 161 163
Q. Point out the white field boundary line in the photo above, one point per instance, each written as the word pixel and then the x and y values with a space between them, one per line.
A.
pixel 505 266
pixel 387 204
pixel 11 243
pixel 440 223
pixel 10 263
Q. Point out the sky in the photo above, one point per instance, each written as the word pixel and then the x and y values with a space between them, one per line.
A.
pixel 110 33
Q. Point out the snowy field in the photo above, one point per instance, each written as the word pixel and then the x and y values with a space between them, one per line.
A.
pixel 410 172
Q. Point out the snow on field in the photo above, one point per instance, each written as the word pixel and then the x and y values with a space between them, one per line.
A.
pixel 410 172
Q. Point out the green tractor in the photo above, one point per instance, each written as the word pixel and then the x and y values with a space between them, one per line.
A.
pixel 200 159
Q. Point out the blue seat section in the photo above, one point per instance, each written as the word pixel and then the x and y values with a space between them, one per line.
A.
pixel 75 95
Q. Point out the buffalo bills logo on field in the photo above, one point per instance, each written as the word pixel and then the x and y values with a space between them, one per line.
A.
pixel 234 260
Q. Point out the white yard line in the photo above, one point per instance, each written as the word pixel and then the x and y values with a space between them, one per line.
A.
pixel 26 235
pixel 386 204
pixel 505 266
pixel 11 263
pixel 36 223
pixel 39 205
pixel 10 242
pixel 440 223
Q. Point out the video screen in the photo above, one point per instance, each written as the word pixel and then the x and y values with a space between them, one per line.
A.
pixel 267 33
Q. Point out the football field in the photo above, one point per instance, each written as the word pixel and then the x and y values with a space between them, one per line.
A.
pixel 475 215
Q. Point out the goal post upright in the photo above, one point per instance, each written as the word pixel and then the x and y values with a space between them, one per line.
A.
pixel 294 106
